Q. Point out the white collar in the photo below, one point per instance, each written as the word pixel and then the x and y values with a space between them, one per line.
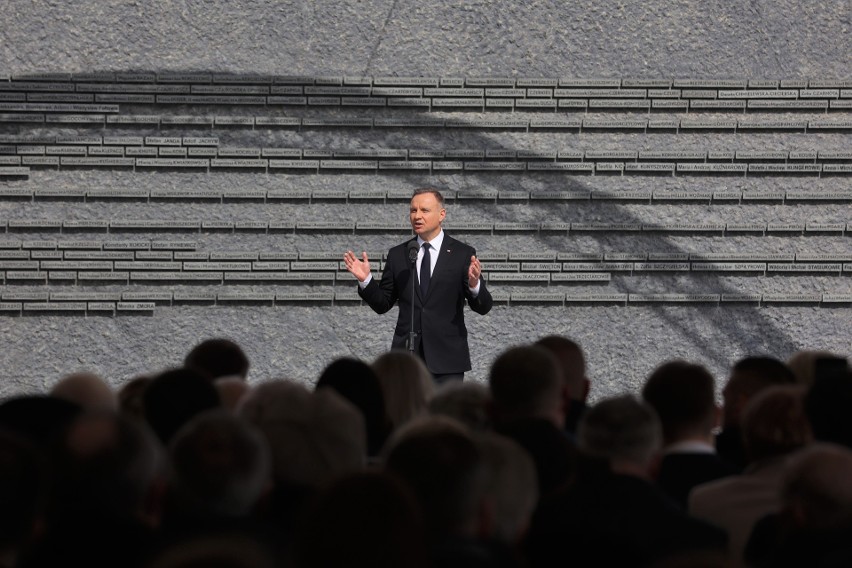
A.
pixel 434 243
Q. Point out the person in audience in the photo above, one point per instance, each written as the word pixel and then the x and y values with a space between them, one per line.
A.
pixel 469 403
pixel 355 381
pixel 683 396
pixel 231 391
pixel 313 437
pixel 38 418
pixel 575 383
pixel 364 519
pixel 815 521
pixel 106 484
pixel 617 517
pixel 803 365
pixel 406 385
pixel 221 468
pixel 86 389
pixel 526 388
pixel 131 397
pixel 747 378
pixel 215 358
pixel 827 404
pixel 445 468
pixel 511 484
pixel 774 426
pixel 173 398
pixel 23 485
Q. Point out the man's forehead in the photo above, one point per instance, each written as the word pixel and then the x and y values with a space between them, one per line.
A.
pixel 425 200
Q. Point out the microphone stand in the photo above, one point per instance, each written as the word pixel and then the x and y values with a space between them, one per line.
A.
pixel 412 257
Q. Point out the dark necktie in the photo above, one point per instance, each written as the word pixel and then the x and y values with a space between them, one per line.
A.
pixel 425 270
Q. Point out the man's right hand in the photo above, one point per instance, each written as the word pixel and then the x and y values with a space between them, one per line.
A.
pixel 359 267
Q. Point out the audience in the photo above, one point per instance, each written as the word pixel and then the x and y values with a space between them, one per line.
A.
pixel 748 377
pixel 774 425
pixel 355 381
pixel 683 396
pixel 526 389
pixel 575 383
pixel 216 358
pixel 406 384
pixel 171 400
pixel 468 402
pixel 617 516
pixel 86 389
pixel 369 467
pixel 815 521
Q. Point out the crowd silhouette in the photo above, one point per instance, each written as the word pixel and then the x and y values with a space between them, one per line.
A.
pixel 374 465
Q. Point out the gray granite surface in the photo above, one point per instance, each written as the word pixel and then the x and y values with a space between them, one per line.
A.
pixel 607 39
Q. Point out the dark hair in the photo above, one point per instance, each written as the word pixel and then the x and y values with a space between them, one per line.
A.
pixel 174 397
pixel 683 396
pixel 524 380
pixel 356 381
pixel 219 357
pixel 752 374
pixel 438 195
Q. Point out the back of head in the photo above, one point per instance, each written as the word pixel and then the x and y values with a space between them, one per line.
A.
pixel 774 423
pixel 682 394
pixel 748 377
pixel 131 397
pixel 467 402
pixel 525 383
pixel 214 358
pixel 174 397
pixel 221 465
pixel 512 485
pixel 38 418
pixel 23 473
pixel 313 436
pixel 621 429
pixel 444 467
pixel 827 405
pixel 86 389
pixel 803 365
pixel 106 464
pixel 364 519
pixel 355 381
pixel 817 492
pixel 572 363
pixel 406 385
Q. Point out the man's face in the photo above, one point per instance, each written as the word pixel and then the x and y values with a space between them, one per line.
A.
pixel 426 215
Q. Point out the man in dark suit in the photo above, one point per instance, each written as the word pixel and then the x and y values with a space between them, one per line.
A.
pixel 447 274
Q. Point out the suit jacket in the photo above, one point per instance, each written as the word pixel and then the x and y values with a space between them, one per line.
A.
pixel 681 471
pixel 439 317
pixel 607 519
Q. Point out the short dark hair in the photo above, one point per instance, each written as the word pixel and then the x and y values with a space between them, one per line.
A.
pixel 438 195
pixel 683 396
pixel 524 380
pixel 216 358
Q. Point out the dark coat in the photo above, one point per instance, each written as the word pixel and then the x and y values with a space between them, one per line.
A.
pixel 439 317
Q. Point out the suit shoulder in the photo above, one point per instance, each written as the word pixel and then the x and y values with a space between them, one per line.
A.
pixel 450 242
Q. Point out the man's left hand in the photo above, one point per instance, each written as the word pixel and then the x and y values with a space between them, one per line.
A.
pixel 473 272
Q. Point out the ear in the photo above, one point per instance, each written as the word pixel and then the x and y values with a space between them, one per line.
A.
pixel 443 213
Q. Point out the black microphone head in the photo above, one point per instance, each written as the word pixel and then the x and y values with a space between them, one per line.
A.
pixel 413 247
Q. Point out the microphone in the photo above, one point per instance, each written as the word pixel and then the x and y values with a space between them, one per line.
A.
pixel 412 251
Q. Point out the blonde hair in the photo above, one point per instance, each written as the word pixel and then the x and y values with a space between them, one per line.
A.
pixel 406 384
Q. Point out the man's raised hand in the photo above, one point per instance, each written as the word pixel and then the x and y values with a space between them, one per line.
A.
pixel 359 268
pixel 473 272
